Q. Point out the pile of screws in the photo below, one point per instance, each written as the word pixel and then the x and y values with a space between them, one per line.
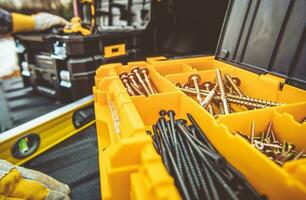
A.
pixel 137 82
pixel 199 171
pixel 267 143
pixel 222 94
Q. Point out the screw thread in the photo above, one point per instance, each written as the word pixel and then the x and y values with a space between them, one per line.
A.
pixel 201 179
pixel 148 83
pixel 222 91
pixel 233 84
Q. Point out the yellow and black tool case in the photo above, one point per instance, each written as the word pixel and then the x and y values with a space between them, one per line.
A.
pixel 261 51
pixel 63 66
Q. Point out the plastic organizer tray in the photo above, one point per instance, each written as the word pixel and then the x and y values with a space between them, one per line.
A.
pixel 131 168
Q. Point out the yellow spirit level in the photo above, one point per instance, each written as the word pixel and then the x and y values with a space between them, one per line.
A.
pixel 28 140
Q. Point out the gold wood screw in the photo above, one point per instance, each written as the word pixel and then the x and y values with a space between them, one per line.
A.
pixel 233 85
pixel 298 155
pixel 132 77
pixel 221 109
pixel 134 84
pixel 276 151
pixel 136 70
pixel 195 80
pixel 126 84
pixel 222 91
pixel 207 101
pixel 268 132
pixel 145 73
pixel 218 98
pixel 253 100
pixel 252 132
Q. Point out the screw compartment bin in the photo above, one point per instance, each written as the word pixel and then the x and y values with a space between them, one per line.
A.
pixel 279 182
pixel 272 69
pixel 137 114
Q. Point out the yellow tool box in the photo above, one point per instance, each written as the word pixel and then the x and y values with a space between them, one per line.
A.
pixel 256 45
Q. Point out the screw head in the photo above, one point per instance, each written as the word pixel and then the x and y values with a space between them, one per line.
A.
pixel 144 71
pixel 259 145
pixel 124 78
pixel 186 86
pixel 236 80
pixel 171 112
pixel 135 69
pixel 124 74
pixel 194 77
pixel 131 76
pixel 181 121
pixel 162 113
pixel 207 85
pixel 178 85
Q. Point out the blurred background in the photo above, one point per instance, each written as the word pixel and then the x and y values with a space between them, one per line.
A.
pixel 8 59
pixel 59 7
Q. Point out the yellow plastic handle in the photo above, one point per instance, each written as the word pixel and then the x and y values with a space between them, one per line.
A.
pixel 114 50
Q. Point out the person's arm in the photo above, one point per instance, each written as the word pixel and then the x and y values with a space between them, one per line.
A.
pixel 22 23
pixel 14 22
pixel 6 25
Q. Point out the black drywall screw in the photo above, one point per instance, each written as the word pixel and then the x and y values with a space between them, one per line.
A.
pixel 170 135
pixel 171 115
pixel 214 193
pixel 162 130
pixel 245 182
pixel 218 177
pixel 219 160
pixel 155 141
pixel 231 178
pixel 176 173
pixel 201 179
pixel 238 175
pixel 224 185
pixel 163 125
pixel 193 131
pixel 188 165
pixel 199 130
pixel 162 150
pixel 189 175
pixel 189 156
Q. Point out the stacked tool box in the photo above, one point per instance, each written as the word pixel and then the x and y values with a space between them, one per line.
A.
pixel 62 66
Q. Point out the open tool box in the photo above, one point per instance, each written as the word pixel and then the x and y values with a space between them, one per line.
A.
pixel 262 43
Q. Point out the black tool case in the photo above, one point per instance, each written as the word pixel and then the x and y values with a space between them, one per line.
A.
pixel 63 66
pixel 78 45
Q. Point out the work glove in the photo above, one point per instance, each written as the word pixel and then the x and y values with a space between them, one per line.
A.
pixel 44 21
pixel 21 183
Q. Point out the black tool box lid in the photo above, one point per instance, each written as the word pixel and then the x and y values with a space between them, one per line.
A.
pixel 266 36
